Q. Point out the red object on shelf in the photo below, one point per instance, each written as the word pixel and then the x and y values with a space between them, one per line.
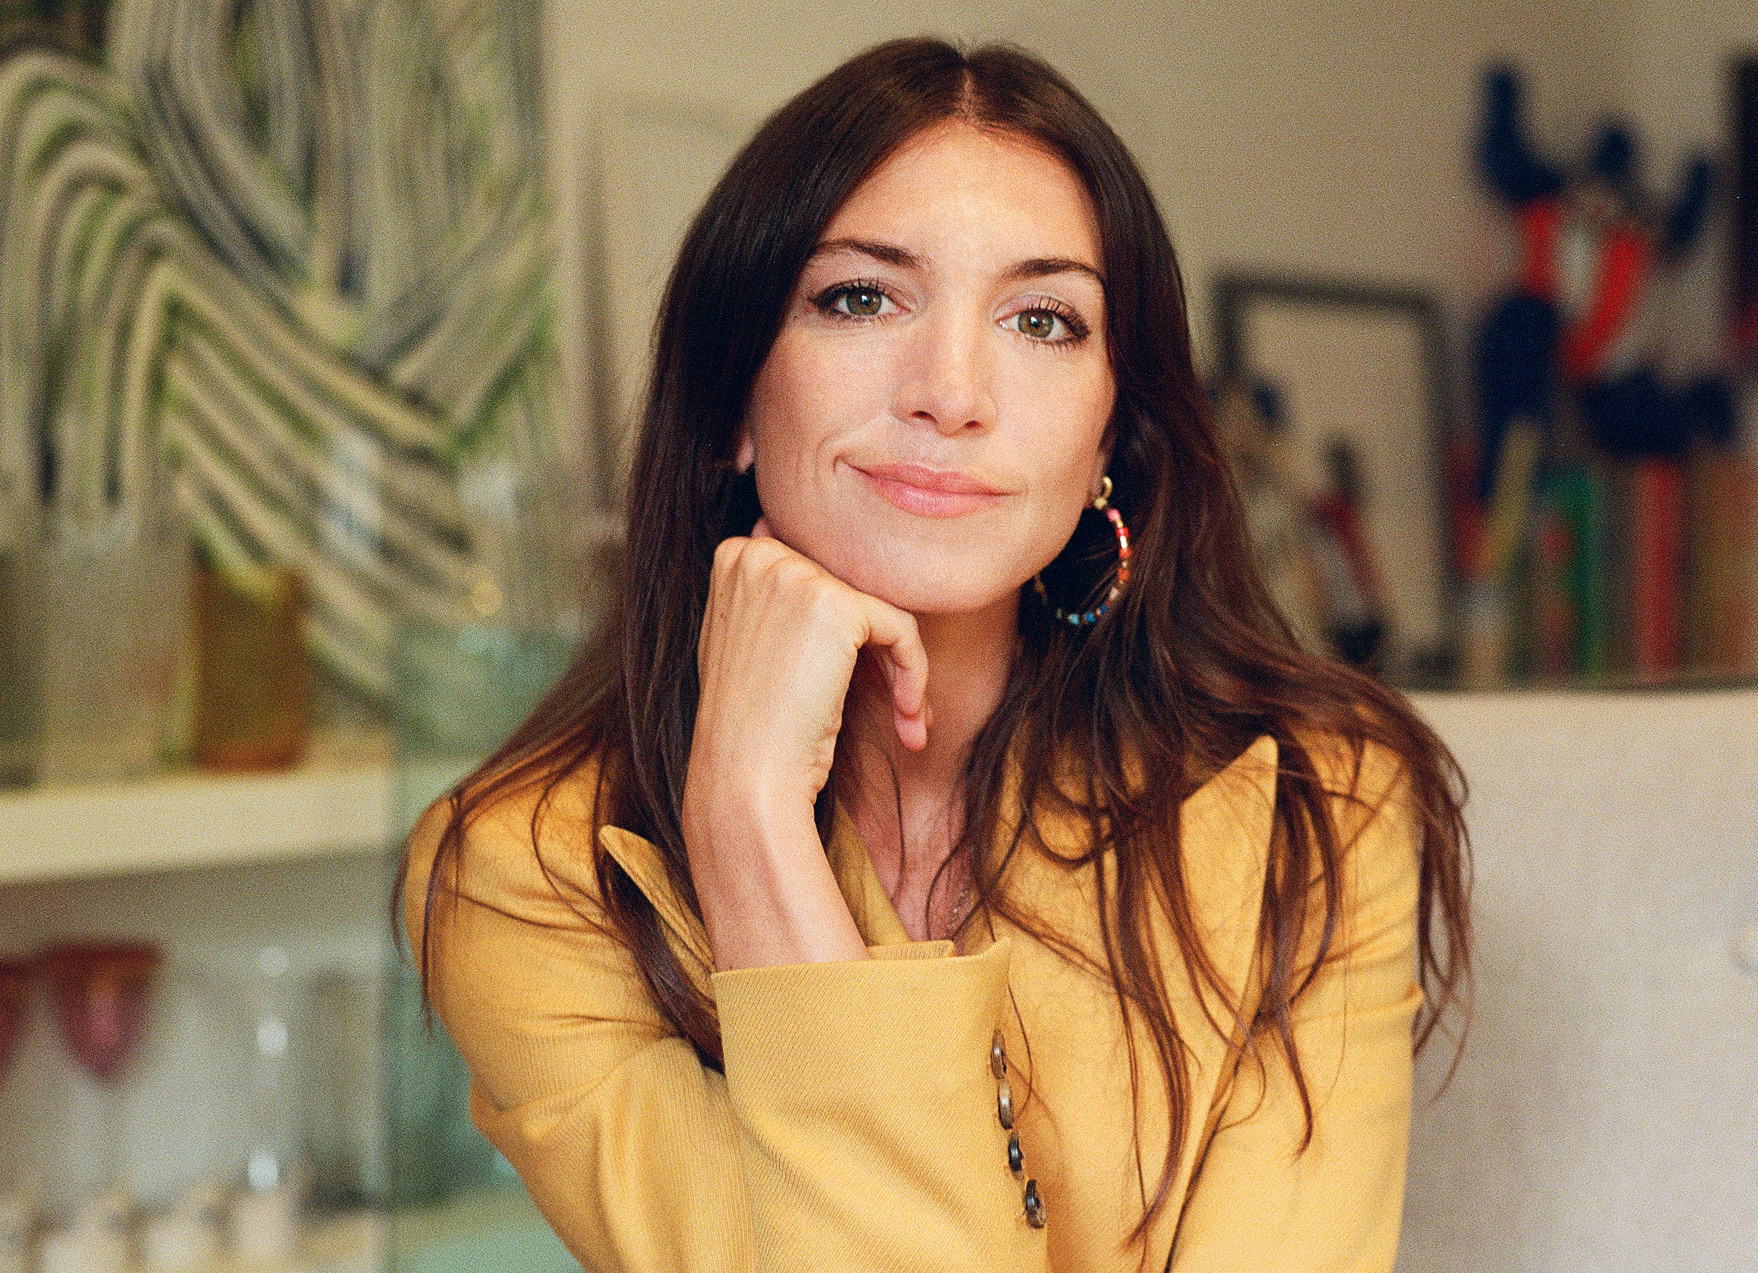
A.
pixel 1657 567
pixel 1555 621
pixel 1467 515
pixel 1721 599
pixel 99 992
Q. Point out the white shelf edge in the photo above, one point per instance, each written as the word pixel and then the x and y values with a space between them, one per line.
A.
pixel 333 805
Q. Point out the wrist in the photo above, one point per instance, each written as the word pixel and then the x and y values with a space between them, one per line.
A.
pixel 765 888
pixel 732 822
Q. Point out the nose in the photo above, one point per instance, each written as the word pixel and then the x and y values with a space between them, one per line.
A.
pixel 947 380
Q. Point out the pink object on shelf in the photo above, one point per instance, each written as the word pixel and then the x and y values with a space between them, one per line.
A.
pixel 99 992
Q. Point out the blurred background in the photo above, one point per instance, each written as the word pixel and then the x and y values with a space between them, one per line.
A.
pixel 322 323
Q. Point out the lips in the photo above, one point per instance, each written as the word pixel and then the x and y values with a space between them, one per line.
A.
pixel 946 483
pixel 930 492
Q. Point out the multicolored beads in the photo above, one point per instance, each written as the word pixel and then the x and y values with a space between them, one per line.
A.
pixel 1103 504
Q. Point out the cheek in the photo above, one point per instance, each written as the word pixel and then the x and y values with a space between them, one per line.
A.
pixel 1069 415
pixel 807 393
pixel 805 403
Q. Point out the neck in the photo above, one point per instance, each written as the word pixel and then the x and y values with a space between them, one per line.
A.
pixel 969 657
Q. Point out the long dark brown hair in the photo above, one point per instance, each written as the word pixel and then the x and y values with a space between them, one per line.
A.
pixel 1190 667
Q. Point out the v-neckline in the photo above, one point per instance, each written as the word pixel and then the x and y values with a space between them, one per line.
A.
pixel 870 905
pixel 852 863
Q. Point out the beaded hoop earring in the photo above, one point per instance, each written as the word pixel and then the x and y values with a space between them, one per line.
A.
pixel 1102 503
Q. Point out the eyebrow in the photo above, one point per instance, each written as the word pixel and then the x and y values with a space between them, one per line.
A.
pixel 1043 266
pixel 903 258
pixel 891 254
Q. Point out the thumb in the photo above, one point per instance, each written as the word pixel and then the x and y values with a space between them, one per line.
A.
pixel 761 529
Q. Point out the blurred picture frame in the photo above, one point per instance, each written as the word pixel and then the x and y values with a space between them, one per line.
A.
pixel 1362 365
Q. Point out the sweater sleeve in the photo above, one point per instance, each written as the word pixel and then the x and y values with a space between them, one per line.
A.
pixel 855 1127
pixel 1262 1202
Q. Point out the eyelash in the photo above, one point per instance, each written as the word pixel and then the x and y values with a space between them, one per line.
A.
pixel 825 302
pixel 1077 327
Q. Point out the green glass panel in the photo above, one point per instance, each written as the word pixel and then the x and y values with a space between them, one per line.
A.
pixel 456 1204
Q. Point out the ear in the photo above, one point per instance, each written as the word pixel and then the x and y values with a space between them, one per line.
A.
pixel 747 451
pixel 1101 462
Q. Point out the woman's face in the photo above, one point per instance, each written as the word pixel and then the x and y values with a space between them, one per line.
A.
pixel 927 426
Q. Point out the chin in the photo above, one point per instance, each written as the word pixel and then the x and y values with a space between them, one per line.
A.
pixel 928 583
pixel 944 602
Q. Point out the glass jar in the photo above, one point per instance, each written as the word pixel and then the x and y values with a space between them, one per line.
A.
pixel 109 600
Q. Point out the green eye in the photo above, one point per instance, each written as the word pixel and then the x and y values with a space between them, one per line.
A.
pixel 1037 323
pixel 863 302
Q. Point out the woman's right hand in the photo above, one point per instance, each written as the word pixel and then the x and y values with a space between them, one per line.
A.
pixel 777 651
pixel 778 648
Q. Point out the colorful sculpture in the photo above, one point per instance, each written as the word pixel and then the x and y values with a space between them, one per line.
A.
pixel 1579 318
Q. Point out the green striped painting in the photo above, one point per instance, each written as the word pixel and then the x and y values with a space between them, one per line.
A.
pixel 290 260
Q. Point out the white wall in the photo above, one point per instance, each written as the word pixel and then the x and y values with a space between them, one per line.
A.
pixel 1674 69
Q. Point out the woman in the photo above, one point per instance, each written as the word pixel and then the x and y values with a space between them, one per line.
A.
pixel 904 879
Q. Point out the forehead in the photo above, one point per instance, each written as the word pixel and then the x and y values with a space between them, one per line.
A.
pixel 959 186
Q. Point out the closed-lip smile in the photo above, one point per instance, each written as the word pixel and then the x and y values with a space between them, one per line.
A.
pixel 947 482
pixel 930 492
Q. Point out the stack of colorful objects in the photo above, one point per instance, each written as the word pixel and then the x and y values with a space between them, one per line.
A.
pixel 1606 520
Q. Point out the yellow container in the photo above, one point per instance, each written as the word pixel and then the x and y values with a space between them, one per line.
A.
pixel 253 693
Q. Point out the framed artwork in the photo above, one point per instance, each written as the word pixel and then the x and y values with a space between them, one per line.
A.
pixel 1356 377
pixel 317 328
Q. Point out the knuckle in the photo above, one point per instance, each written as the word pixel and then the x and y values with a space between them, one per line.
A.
pixel 797 572
pixel 826 603
pixel 763 554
